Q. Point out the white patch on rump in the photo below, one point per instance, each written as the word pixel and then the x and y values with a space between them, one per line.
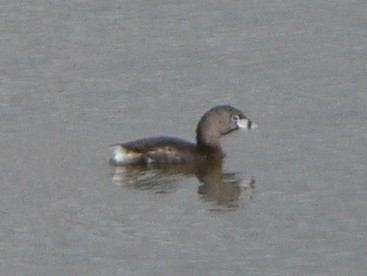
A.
pixel 122 156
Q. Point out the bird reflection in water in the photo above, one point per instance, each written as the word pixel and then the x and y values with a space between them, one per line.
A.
pixel 223 188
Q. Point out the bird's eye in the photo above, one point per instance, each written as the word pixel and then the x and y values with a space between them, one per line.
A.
pixel 235 117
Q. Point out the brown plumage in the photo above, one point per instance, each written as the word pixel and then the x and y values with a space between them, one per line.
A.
pixel 216 122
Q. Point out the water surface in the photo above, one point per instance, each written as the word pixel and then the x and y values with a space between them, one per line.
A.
pixel 76 77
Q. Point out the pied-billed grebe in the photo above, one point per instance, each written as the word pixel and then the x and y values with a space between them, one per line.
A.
pixel 216 122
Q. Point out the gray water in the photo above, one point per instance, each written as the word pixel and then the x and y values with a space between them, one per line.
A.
pixel 77 76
